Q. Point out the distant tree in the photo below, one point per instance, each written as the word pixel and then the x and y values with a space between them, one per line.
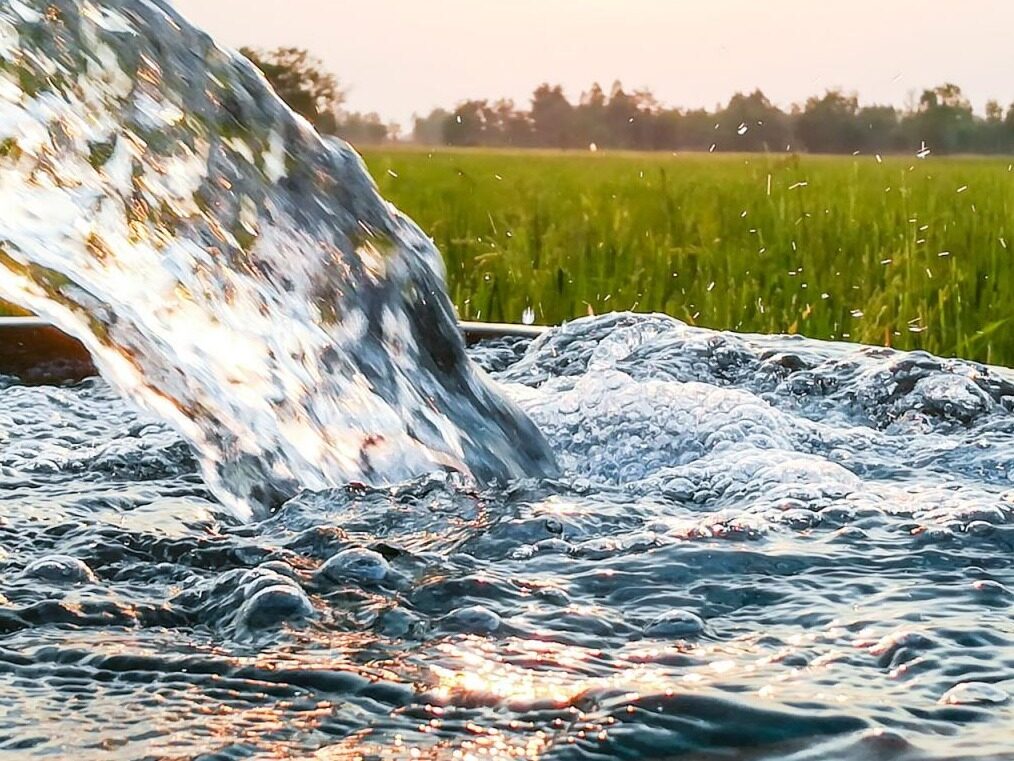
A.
pixel 944 119
pixel 590 118
pixel 879 128
pixel 301 82
pixel 698 129
pixel 944 96
pixel 512 127
pixel 553 117
pixel 752 123
pixel 430 129
pixel 363 129
pixel 993 137
pixel 471 124
pixel 665 130
pixel 628 117
pixel 830 124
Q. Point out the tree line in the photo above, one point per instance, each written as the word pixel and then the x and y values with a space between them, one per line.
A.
pixel 300 80
pixel 941 121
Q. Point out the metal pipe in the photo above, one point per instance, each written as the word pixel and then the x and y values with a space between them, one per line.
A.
pixel 36 351
pixel 477 331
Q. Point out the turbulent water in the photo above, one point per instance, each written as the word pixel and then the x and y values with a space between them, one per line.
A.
pixel 229 269
pixel 641 540
pixel 759 548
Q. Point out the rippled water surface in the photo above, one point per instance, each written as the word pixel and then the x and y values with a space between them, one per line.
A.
pixel 758 548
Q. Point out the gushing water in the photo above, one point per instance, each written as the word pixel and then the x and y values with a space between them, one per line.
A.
pixel 230 270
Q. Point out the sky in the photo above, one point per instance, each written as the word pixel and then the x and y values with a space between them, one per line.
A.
pixel 400 57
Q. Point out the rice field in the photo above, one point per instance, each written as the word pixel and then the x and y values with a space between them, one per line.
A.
pixel 900 251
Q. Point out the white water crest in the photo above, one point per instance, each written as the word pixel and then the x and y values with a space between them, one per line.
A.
pixel 230 270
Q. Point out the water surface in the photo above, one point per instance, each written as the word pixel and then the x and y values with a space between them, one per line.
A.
pixel 759 548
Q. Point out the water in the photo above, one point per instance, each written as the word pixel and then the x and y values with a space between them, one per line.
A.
pixel 718 546
pixel 760 547
pixel 230 270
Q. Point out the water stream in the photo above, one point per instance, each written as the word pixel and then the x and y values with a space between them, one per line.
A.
pixel 230 270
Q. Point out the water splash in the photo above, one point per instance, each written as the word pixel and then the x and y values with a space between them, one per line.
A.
pixel 230 269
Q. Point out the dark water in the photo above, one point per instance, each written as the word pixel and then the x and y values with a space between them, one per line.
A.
pixel 758 548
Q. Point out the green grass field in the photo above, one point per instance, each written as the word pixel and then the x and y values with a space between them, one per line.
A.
pixel 906 252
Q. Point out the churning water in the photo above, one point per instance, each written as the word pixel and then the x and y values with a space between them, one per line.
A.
pixel 758 548
pixel 720 546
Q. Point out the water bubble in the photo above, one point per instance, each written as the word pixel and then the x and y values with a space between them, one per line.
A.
pixel 399 622
pixel 675 623
pixel 59 568
pixel 885 743
pixel 356 564
pixel 975 693
pixel 274 605
pixel 528 316
pixel 476 619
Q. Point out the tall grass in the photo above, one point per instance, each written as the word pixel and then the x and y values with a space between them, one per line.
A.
pixel 901 251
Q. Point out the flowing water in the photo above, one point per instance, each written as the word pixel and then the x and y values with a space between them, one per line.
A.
pixel 229 269
pixel 719 546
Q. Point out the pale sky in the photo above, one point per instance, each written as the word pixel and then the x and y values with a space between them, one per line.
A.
pixel 398 57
